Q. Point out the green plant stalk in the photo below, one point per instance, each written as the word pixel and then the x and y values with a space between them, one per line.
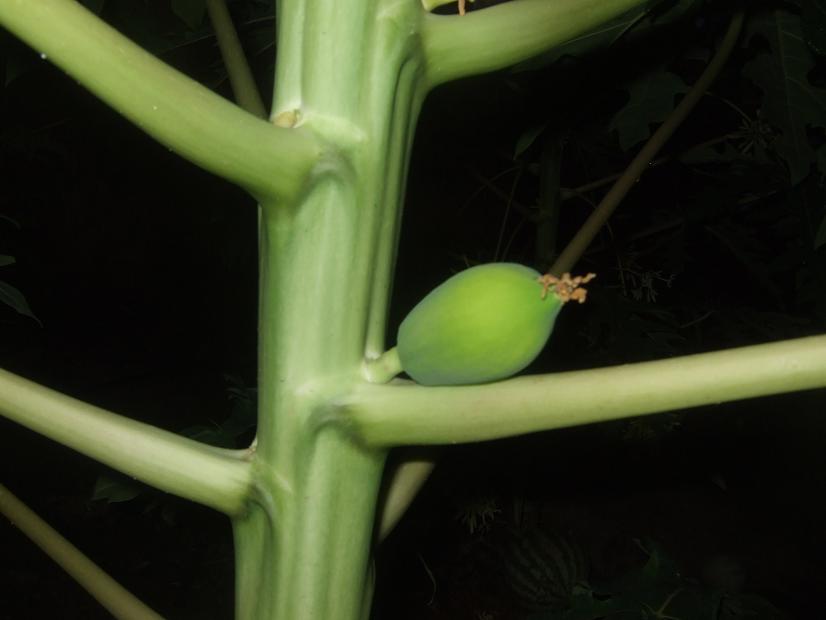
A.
pixel 404 413
pixel 205 474
pixel 188 118
pixel 508 33
pixel 352 75
pixel 108 592
pixel 238 69
pixel 404 483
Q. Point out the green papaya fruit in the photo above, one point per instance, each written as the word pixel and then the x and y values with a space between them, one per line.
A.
pixel 483 324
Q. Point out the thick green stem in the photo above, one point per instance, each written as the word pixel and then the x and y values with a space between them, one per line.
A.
pixel 508 33
pixel 212 476
pixel 190 119
pixel 350 74
pixel 403 413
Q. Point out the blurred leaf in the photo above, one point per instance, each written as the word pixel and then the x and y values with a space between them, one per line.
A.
pixel 528 137
pixel 6 260
pixel 212 435
pixel 190 11
pixel 243 418
pixel 708 154
pixel 259 35
pixel 814 24
pixel 13 222
pixel 747 251
pixel 750 606
pixel 116 488
pixel 790 101
pixel 585 607
pixel 658 591
pixel 12 297
pixel 155 26
pixel 660 12
pixel 659 566
pixel 241 421
pixel 651 101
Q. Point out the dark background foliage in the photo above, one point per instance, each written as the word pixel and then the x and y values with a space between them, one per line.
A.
pixel 141 272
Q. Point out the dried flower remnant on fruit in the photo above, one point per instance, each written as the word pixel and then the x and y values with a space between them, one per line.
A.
pixel 566 287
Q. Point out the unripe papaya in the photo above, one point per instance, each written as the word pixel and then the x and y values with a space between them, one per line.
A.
pixel 483 324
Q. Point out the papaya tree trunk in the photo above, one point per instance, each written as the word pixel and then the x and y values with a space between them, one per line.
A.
pixel 349 73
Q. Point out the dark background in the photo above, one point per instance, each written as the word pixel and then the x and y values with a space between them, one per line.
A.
pixel 142 272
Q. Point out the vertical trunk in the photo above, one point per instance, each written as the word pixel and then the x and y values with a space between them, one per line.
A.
pixel 353 73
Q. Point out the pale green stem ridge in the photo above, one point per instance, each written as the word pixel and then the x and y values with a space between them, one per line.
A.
pixel 268 161
pixel 254 553
pixel 238 69
pixel 211 476
pixel 329 566
pixel 108 592
pixel 409 95
pixel 402 413
pixel 505 34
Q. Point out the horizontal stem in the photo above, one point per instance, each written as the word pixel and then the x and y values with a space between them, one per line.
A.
pixel 177 111
pixel 503 35
pixel 403 413
pixel 212 476
pixel 108 592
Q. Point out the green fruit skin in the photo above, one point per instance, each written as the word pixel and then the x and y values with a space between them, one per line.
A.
pixel 483 324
